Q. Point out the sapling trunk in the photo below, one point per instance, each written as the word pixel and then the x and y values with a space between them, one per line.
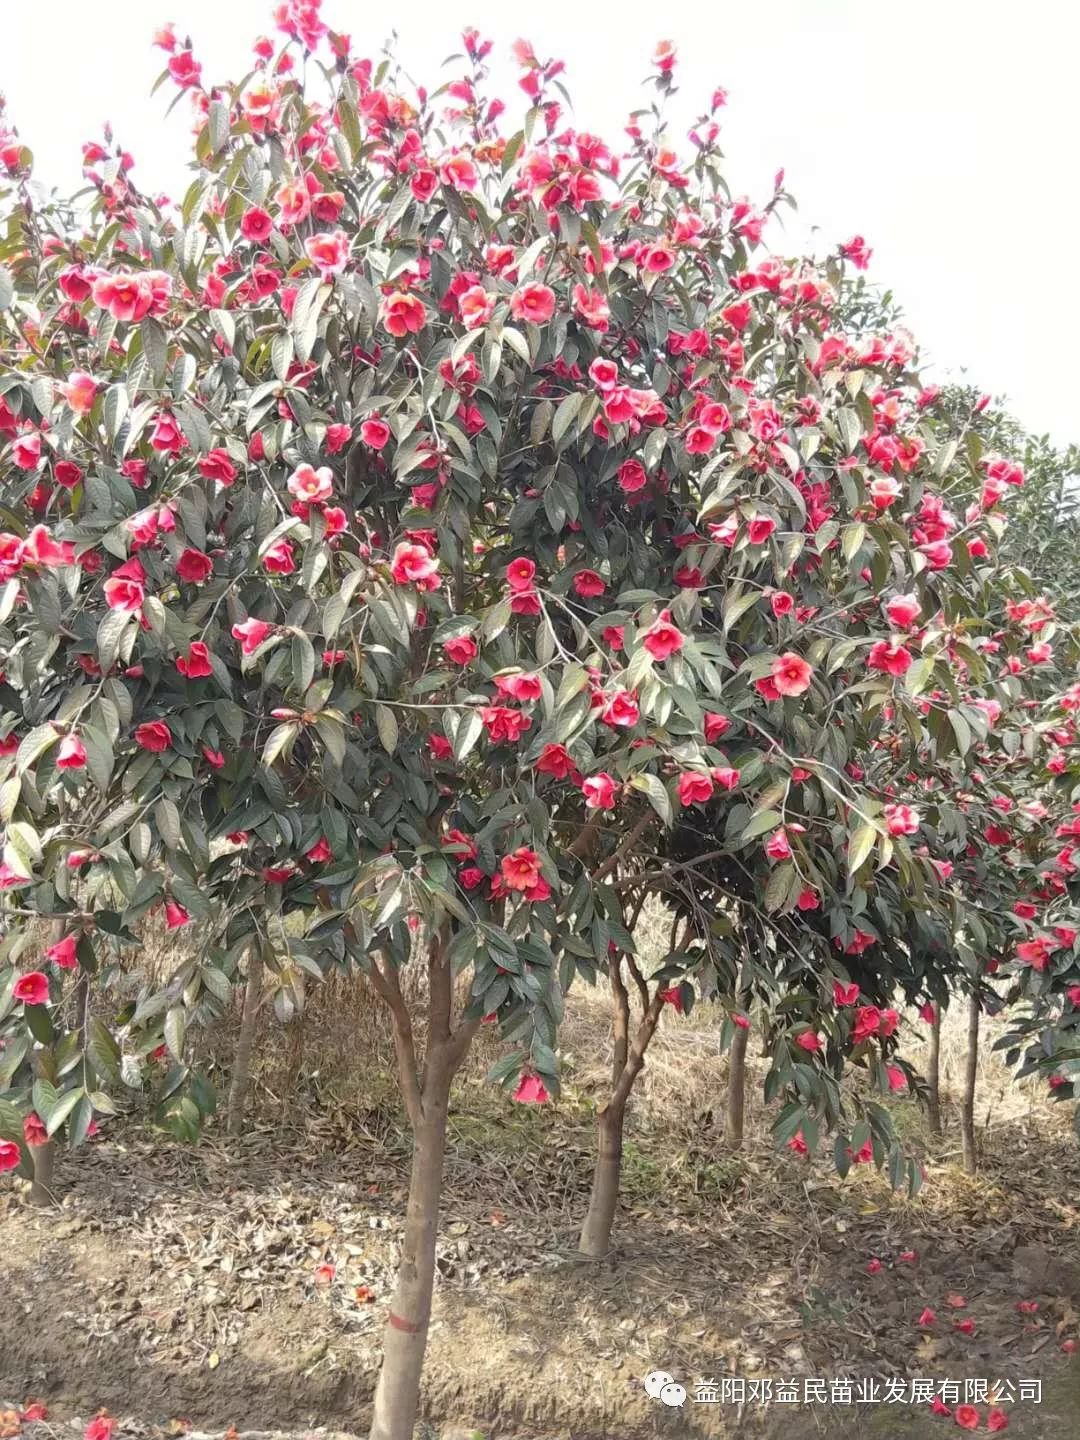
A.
pixel 238 1086
pixel 967 1108
pixel 933 1074
pixel 604 1197
pixel 736 1087
pixel 41 1187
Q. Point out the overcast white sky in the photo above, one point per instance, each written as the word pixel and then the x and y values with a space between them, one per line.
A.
pixel 945 131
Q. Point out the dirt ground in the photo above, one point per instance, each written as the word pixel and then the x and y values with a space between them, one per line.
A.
pixel 181 1286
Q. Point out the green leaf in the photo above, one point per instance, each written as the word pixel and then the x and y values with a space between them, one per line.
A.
pixel 62 1109
pixel 167 820
pixel 280 737
pixel 387 726
pixel 776 891
pixel 45 1098
pixel 33 746
pixel 860 846
pixel 652 787
pixel 103 1050
pixel 175 1030
pixel 109 635
pixel 565 415
pixel 761 824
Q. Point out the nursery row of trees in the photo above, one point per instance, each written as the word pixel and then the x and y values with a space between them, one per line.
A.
pixel 434 538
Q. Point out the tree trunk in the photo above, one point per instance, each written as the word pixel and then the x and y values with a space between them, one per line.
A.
pixel 967 1109
pixel 596 1231
pixel 41 1188
pixel 736 1088
pixel 238 1086
pixel 405 1337
pixel 933 1074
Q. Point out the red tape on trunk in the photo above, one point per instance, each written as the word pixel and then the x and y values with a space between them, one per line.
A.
pixel 399 1324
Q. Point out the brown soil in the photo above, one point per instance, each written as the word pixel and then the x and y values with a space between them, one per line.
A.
pixel 179 1284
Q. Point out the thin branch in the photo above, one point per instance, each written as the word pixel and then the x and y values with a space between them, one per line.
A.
pixel 640 982
pixel 633 836
pixel 387 986
pixel 620 1023
pixel 439 988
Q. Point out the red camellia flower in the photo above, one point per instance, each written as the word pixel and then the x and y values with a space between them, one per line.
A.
pixel 10 1155
pixel 621 708
pixel 903 610
pixel 662 638
pixel 892 657
pixel 520 869
pixel 153 735
pixel 809 1041
pixel 251 634
pixel 520 575
pixel 279 559
pixel 967 1417
pixel 462 650
pixel 403 314
pixel 901 819
pixel 791 675
pixel 194 566
pixel 176 917
pixel 216 465
pixel 531 1091
pixel 415 565
pixel 716 726
pixel 599 791
pixel 996 1419
pixel 588 584
pixel 533 303
pixel 125 588
pixel 632 476
pixel 777 847
pixel 196 663
pixel 62 954
pixel 31 988
pixel 694 788
pixel 35 1132
pixel 71 754
pixel 504 724
pixel 927 1318
pixel 845 994
pixel 102 1426
pixel 556 760
pixel 310 485
pixel 375 432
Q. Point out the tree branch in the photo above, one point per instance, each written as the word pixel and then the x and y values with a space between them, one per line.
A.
pixel 620 1022
pixel 386 985
pixel 633 836
pixel 640 982
pixel 636 1059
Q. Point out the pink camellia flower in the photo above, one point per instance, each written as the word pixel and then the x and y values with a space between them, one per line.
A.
pixel 153 735
pixel 176 917
pixel 62 954
pixel 533 303
pixel 716 726
pixel 185 71
pixel 375 432
pixel 216 465
pixel 845 994
pixel 320 852
pixel 256 225
pixel 125 588
pixel 166 437
pixel 996 1419
pixel 520 869
pixel 620 708
pixel 599 791
pixel 662 638
pixel 194 566
pixel 588 584
pixel 71 754
pixel 873 1266
pixel 251 634
pixel 39 548
pixel 26 452
pixel 328 252
pixel 632 476
pixel 414 565
pixel 857 251
pixel 124 296
pixel 778 847
pixel 10 1155
pixel 928 1317
pixel 196 663
pixel 883 491
pixel 31 988
pixel 889 656
pixel 791 674
pixel 476 307
pixel 462 650
pixel 726 776
pixel 531 1091
pixel 35 1132
pixel 403 314
pixel 337 437
pixel 79 391
pixel 557 761
pixel 901 819
pixel 896 1076
pixel 759 529
pixel 520 575
pixel 694 788
pixel 214 758
pixel 903 610
pixel 311 485
pixel 520 685
pixel 809 1041
pixel 279 558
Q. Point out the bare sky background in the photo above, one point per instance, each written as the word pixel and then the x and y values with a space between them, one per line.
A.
pixel 945 131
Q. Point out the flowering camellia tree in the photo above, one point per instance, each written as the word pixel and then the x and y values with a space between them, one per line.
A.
pixel 401 530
